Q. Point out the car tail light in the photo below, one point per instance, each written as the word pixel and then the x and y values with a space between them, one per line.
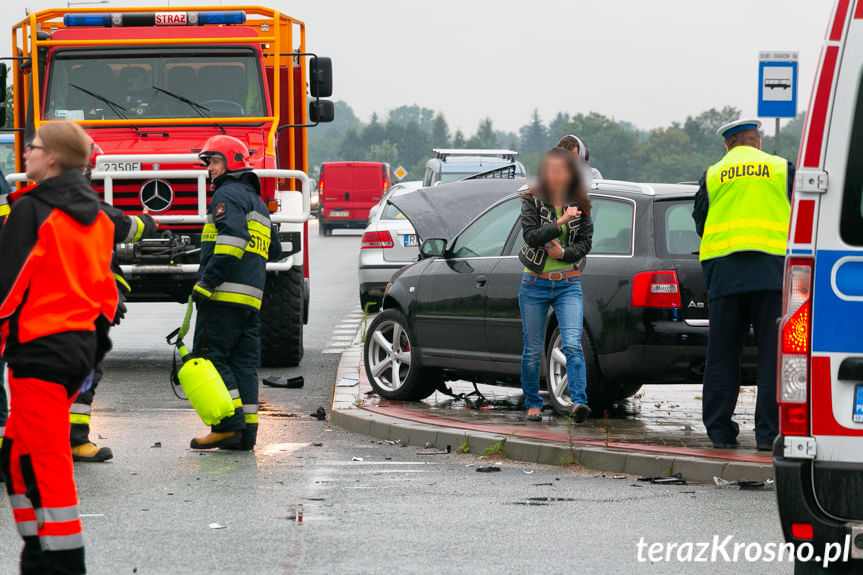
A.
pixel 795 340
pixel 376 240
pixel 656 289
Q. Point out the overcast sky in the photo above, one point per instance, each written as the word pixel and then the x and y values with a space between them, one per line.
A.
pixel 648 62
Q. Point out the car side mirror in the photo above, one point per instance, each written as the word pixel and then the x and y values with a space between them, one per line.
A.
pixel 321 111
pixel 433 248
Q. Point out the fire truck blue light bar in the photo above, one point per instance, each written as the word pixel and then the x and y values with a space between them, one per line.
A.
pixel 137 19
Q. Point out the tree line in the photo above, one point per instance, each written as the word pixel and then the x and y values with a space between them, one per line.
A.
pixel 406 136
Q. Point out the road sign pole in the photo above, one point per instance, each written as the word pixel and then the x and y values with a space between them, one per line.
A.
pixel 776 137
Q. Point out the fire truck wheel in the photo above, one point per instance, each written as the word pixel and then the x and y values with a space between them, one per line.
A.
pixel 324 229
pixel 282 319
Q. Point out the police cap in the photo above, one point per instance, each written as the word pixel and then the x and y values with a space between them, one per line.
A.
pixel 731 128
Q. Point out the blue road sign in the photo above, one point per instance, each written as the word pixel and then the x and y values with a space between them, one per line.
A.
pixel 777 85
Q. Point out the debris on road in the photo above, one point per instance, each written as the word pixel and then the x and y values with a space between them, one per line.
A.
pixel 356 458
pixel 285 382
pixel 157 444
pixel 488 469
pixel 320 414
pixel 317 444
pixel 675 479
pixel 217 526
pixel 446 451
pixel 743 484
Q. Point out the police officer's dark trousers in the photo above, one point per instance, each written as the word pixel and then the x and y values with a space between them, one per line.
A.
pixel 230 337
pixel 730 319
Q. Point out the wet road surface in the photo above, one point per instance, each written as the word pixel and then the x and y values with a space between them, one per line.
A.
pixel 368 506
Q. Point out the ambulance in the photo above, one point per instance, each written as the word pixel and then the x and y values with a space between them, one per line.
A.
pixel 150 86
pixel 818 456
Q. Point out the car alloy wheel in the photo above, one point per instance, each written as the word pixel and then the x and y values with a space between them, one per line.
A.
pixel 389 356
pixel 558 384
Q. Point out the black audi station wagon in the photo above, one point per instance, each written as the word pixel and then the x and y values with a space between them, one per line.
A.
pixel 454 314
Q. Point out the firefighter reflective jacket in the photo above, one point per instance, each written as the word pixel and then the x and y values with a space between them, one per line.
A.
pixel 236 242
pixel 57 292
pixel 749 209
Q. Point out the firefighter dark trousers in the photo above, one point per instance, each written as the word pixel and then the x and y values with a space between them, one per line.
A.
pixel 37 464
pixel 79 415
pixel 230 337
pixel 730 319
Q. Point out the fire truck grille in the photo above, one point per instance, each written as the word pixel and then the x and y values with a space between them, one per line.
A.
pixel 179 196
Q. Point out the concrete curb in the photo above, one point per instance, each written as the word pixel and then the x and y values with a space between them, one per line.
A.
pixel 696 469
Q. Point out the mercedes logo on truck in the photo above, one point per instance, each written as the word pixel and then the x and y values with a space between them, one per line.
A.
pixel 156 195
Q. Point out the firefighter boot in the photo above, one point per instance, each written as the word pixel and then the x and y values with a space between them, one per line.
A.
pixel 91 453
pixel 213 440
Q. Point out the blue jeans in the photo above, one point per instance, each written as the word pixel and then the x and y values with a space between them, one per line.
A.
pixel 564 297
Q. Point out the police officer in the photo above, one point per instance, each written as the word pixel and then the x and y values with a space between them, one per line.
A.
pixel 742 213
pixel 235 245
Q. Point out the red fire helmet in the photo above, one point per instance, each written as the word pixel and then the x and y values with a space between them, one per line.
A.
pixel 231 149
pixel 95 152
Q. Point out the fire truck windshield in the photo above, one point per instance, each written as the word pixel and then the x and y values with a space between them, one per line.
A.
pixel 86 84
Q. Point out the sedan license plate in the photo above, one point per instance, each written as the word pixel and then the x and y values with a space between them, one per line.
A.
pixel 410 240
pixel 341 214
pixel 858 404
pixel 119 166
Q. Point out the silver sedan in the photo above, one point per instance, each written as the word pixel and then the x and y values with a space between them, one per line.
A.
pixel 389 243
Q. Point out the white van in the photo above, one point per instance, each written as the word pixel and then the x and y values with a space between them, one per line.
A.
pixel 818 456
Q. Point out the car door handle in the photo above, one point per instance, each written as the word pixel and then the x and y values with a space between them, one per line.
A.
pixel 481 281
pixel 851 369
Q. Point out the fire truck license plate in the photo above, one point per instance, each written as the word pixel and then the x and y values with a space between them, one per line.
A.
pixel 119 166
pixel 339 214
pixel 858 404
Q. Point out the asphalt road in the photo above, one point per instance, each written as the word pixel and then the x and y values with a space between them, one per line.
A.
pixel 159 508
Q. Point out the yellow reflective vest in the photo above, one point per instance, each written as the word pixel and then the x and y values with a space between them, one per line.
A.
pixel 749 209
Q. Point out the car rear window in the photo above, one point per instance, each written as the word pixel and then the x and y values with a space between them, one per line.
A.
pixel 851 221
pixel 675 229
pixel 392 213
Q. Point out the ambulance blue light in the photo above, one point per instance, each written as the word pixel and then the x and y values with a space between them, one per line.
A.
pixel 231 17
pixel 87 20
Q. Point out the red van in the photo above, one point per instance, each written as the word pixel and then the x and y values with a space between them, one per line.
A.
pixel 348 190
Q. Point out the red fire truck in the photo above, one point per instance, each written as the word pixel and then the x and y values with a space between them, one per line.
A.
pixel 150 86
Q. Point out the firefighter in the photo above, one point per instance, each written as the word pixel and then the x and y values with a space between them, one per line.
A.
pixel 127 229
pixel 57 299
pixel 742 213
pixel 236 243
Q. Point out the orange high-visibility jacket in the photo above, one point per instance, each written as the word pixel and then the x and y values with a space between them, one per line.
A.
pixel 57 291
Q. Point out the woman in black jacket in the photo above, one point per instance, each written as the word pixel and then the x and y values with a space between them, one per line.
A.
pixel 558 231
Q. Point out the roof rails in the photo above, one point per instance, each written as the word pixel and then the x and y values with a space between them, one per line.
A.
pixel 443 153
pixel 507 172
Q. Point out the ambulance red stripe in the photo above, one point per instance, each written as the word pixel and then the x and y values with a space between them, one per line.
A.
pixel 839 20
pixel 805 216
pixel 820 106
